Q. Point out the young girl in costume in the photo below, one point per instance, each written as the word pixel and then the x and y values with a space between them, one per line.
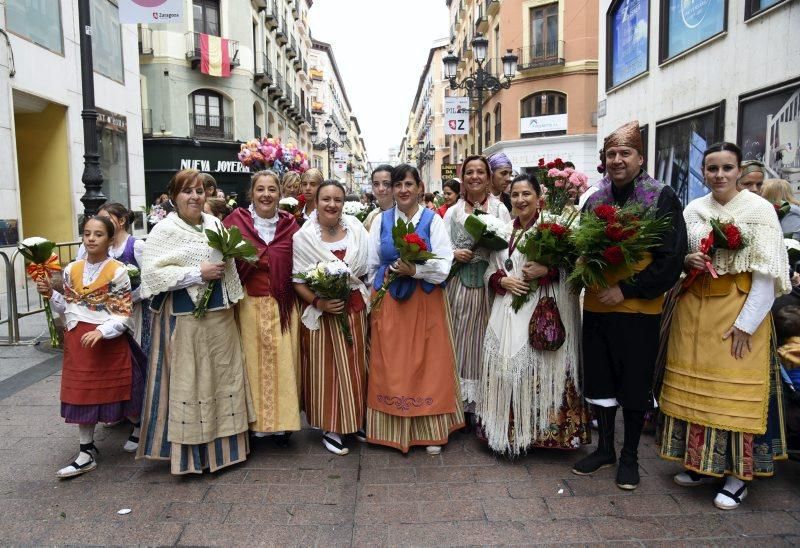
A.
pixel 102 379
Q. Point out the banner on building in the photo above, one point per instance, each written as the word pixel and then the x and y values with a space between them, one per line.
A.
pixel 456 115
pixel 449 171
pixel 543 124
pixel 215 57
pixel 150 11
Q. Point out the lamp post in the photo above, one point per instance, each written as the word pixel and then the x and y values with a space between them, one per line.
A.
pixel 92 177
pixel 481 80
pixel 328 144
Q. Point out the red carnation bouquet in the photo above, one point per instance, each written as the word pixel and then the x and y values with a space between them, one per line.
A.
pixel 411 248
pixel 549 244
pixel 611 237
pixel 722 236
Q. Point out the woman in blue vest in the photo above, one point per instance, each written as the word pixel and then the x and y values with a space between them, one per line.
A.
pixel 413 396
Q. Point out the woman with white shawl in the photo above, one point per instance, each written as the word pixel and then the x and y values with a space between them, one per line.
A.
pixel 333 368
pixel 198 403
pixel 528 397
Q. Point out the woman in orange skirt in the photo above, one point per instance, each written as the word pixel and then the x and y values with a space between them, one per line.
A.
pixel 413 395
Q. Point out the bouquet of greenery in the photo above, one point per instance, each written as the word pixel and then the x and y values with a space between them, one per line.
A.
pixel 331 280
pixel 549 244
pixel 357 210
pixel 613 238
pixel 412 249
pixel 232 245
pixel 487 231
pixel 39 253
pixel 134 274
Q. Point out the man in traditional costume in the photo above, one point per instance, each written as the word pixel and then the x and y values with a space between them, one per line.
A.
pixel 621 322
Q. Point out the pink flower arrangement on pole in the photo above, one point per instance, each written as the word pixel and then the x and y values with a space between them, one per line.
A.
pixel 270 153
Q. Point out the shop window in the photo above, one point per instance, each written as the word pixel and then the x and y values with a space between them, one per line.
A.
pixel 687 23
pixel 38 21
pixel 769 128
pixel 543 114
pixel 208 114
pixel 113 141
pixel 627 40
pixel 756 7
pixel 206 16
pixel 497 122
pixel 680 143
pixel 107 40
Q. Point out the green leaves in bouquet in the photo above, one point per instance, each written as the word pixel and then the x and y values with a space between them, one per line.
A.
pixel 409 252
pixel 477 230
pixel 232 244
pixel 36 250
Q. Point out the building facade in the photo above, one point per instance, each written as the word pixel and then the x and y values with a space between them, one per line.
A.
pixel 550 108
pixel 329 103
pixel 197 120
pixel 425 142
pixel 41 129
pixel 697 72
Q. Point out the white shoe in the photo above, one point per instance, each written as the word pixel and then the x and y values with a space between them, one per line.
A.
pixel 360 435
pixel 131 444
pixel 433 449
pixel 690 478
pixel 333 443
pixel 731 495
pixel 83 463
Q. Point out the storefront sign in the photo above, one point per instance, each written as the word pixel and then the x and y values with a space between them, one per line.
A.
pixel 449 171
pixel 112 121
pixel 456 115
pixel 150 11
pixel 692 22
pixel 542 124
pixel 629 33
pixel 220 166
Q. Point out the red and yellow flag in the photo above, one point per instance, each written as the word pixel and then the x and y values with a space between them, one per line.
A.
pixel 215 58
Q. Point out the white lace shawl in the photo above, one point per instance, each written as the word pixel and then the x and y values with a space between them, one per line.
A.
pixel 309 250
pixel 457 215
pixel 765 251
pixel 514 375
pixel 175 249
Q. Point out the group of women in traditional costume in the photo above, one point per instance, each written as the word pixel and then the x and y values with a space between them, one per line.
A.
pixel 441 351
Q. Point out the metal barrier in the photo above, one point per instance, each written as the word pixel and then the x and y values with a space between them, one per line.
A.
pixel 33 303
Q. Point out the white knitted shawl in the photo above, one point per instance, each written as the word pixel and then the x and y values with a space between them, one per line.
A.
pixel 309 250
pixel 174 249
pixel 765 251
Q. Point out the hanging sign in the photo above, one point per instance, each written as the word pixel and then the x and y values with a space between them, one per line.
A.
pixel 456 115
pixel 150 11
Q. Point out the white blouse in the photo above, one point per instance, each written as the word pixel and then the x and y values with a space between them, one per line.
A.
pixel 434 271
pixel 265 227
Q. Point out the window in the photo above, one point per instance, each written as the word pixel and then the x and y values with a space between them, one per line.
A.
pixel 107 40
pixel 769 127
pixel 497 42
pixel 544 114
pixel 627 40
pixel 207 114
pixel 544 31
pixel 38 21
pixel 487 130
pixel 687 23
pixel 755 7
pixel 113 149
pixel 206 16
pixel 497 126
pixel 680 143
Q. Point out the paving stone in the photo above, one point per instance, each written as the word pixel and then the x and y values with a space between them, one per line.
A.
pixel 565 506
pixel 762 523
pixel 479 491
pixel 629 528
pixel 539 487
pixel 277 514
pixel 204 534
pixel 457 533
pixel 370 535
pixel 697 526
pixel 514 509
pixel 237 493
pixel 560 531
pixel 387 512
pixel 196 512
pixel 389 475
pixel 314 514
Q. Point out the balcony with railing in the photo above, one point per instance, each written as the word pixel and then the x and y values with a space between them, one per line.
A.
pixel 298 62
pixel 276 89
pixel 316 74
pixel 296 9
pixel 281 33
pixel 263 76
pixel 288 93
pixel 271 15
pixel 305 66
pixel 298 109
pixel 491 7
pixel 291 49
pixel 544 54
pixel 317 107
pixel 145 41
pixel 481 21
pixel 193 49
pixel 218 128
pixel 147 122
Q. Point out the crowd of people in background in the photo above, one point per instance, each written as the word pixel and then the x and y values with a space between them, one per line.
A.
pixel 708 336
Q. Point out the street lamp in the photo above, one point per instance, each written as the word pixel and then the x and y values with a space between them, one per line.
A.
pixel 328 144
pixel 480 80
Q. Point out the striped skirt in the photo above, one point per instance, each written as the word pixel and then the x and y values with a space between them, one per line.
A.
pixel 469 313
pixel 154 440
pixel 334 374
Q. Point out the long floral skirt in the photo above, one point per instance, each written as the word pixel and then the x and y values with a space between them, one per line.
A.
pixel 469 313
pixel 334 374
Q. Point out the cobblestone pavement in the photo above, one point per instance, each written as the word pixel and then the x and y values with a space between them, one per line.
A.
pixel 303 495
